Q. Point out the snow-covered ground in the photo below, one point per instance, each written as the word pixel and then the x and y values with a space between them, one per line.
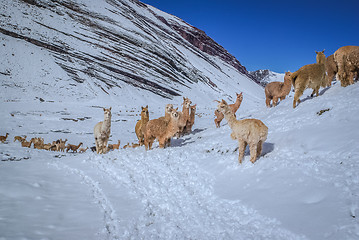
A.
pixel 304 186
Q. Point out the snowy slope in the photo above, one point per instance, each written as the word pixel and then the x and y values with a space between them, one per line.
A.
pixel 305 185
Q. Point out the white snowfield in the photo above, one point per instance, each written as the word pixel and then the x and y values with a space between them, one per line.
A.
pixel 304 186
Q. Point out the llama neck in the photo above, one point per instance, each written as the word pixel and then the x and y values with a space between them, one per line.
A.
pixel 231 119
pixel 287 85
pixel 79 145
pixel 237 104
pixel 192 115
pixel 145 119
pixel 172 127
pixel 185 111
pixel 106 125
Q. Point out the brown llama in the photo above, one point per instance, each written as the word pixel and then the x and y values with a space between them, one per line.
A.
pixel 72 147
pixel 278 90
pixel 61 145
pixel 309 76
pixel 82 150
pixel 25 143
pixel 347 59
pixel 183 117
pixel 102 132
pixel 219 118
pixel 19 138
pixel 161 130
pixel 114 146
pixel 141 125
pixel 250 132
pixel 190 122
pixel 3 138
pixel 332 69
pixel 234 107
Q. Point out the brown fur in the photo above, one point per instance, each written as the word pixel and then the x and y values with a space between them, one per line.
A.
pixel 219 118
pixel 38 142
pixel 278 90
pixel 141 125
pixel 190 122
pixel 61 145
pixel 161 130
pixel 347 59
pixel 102 132
pixel 309 76
pixel 114 146
pixel 19 138
pixel 25 143
pixel 82 150
pixel 3 138
pixel 72 147
pixel 332 69
pixel 183 117
pixel 248 131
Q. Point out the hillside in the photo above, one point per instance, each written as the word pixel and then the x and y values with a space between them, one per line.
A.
pixel 110 49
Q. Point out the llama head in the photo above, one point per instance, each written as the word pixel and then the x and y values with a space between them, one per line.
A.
pixel 287 76
pixel 239 96
pixel 193 108
pixel 321 57
pixel 107 112
pixel 144 112
pixel 186 102
pixel 169 108
pixel 223 107
pixel 174 114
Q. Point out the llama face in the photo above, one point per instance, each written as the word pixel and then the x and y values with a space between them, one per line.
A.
pixel 223 106
pixel 107 112
pixel 169 108
pixel 144 112
pixel 186 102
pixel 174 114
pixel 239 96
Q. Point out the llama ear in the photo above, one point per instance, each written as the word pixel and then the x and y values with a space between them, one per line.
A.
pixel 110 108
pixel 104 109
pixel 146 106
pixel 217 101
pixel 323 51
pixel 142 108
pixel 224 102
pixel 316 52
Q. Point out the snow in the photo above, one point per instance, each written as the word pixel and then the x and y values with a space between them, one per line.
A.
pixel 304 186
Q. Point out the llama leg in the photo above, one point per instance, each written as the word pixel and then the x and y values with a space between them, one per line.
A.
pixel 297 94
pixel 241 149
pixel 259 148
pixel 162 142
pixel 351 78
pixel 253 151
pixel 268 99
pixel 275 101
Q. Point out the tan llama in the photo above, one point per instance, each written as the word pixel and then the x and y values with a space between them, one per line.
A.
pixel 190 122
pixel 114 146
pixel 248 131
pixel 234 107
pixel 72 147
pixel 278 90
pixel 25 143
pixel 161 130
pixel 332 69
pixel 61 145
pixel 82 150
pixel 3 138
pixel 102 132
pixel 309 76
pixel 347 59
pixel 141 125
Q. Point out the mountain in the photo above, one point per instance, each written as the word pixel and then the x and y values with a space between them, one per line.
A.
pixel 109 47
pixel 266 76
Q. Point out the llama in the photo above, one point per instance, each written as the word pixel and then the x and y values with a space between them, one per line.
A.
pixel 190 122
pixel 3 138
pixel 347 59
pixel 102 132
pixel 141 125
pixel 37 142
pixel 168 110
pixel 183 117
pixel 61 145
pixel 219 118
pixel 309 76
pixel 19 138
pixel 248 131
pixel 275 90
pixel 72 147
pixel 161 130
pixel 82 150
pixel 114 146
pixel 234 107
pixel 331 69
pixel 25 143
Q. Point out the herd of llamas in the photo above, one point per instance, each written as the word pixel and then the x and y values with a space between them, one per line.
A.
pixel 343 64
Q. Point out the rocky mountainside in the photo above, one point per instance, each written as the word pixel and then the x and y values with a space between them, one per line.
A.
pixel 109 46
pixel 266 76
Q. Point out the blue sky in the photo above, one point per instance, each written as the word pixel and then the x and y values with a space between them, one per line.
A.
pixel 275 35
